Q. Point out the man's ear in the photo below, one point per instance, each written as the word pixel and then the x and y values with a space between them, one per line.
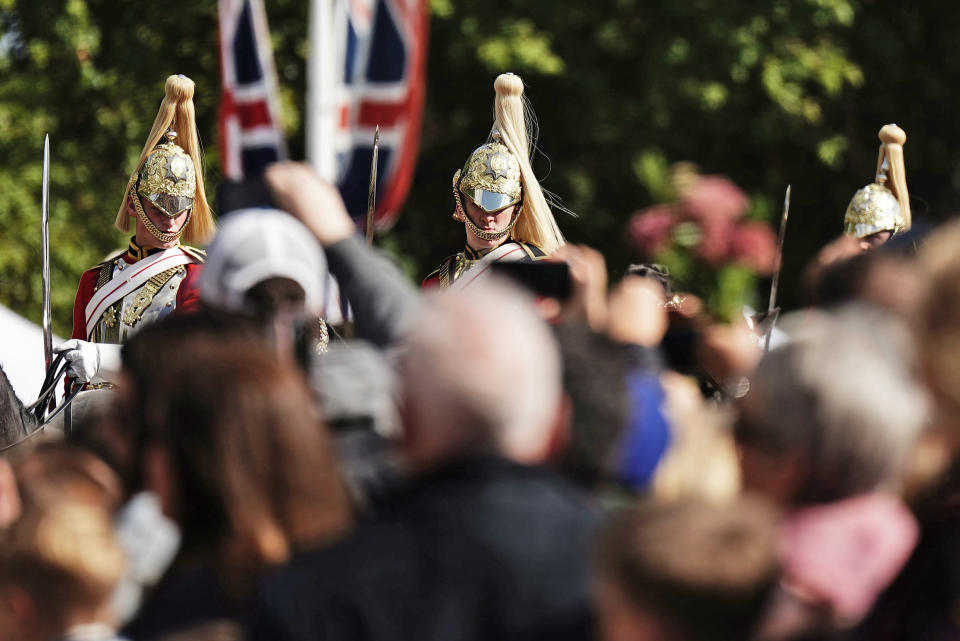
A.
pixel 9 495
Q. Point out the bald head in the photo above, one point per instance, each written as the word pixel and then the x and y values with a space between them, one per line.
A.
pixel 480 373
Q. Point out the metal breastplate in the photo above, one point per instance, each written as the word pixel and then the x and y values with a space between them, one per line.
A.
pixel 148 304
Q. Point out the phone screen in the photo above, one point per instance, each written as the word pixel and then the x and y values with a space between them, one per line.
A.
pixel 542 278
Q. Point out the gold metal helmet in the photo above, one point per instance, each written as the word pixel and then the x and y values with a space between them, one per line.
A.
pixel 168 178
pixel 491 177
pixel 873 209
pixel 883 205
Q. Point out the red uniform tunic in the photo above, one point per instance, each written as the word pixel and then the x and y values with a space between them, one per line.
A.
pixel 187 293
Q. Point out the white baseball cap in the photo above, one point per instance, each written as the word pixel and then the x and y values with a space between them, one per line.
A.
pixel 253 245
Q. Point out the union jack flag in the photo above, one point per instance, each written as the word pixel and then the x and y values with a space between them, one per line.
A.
pixel 250 134
pixel 367 68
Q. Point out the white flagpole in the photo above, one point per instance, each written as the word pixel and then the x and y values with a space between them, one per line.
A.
pixel 322 119
pixel 321 90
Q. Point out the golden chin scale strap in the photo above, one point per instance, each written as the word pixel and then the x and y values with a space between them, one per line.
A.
pixel 156 233
pixel 461 216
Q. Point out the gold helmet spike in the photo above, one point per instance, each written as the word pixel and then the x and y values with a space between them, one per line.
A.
pixel 883 205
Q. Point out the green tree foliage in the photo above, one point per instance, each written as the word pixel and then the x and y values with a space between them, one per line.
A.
pixel 766 93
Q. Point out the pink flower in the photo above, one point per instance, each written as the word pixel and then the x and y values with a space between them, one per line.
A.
pixel 649 229
pixel 714 246
pixel 754 246
pixel 714 198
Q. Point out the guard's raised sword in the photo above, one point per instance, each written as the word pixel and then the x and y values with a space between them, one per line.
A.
pixel 772 311
pixel 45 253
pixel 372 193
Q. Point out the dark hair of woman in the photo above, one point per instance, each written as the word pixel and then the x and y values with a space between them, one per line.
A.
pixel 252 473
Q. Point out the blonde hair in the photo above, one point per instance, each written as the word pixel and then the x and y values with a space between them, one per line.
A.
pixel 176 111
pixel 515 126
pixel 892 139
pixel 701 460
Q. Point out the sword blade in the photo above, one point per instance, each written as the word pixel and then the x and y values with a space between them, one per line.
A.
pixel 45 249
pixel 779 257
pixel 372 193
pixel 778 263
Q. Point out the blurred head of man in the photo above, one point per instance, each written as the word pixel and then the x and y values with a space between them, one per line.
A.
pixel 481 375
pixel 834 413
pixel 888 279
pixel 686 570
pixel 939 324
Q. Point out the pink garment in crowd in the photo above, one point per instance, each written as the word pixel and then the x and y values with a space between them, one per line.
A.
pixel 842 555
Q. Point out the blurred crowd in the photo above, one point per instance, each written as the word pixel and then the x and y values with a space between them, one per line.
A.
pixel 483 463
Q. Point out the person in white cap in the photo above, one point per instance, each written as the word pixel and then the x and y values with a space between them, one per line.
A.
pixel 265 265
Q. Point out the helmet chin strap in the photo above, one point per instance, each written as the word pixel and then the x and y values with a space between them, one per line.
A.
pixel 154 231
pixel 462 216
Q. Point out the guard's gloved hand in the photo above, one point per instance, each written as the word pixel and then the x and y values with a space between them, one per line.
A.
pixel 87 359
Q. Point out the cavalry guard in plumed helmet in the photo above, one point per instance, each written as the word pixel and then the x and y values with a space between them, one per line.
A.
pixel 156 275
pixel 498 198
pixel 881 210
